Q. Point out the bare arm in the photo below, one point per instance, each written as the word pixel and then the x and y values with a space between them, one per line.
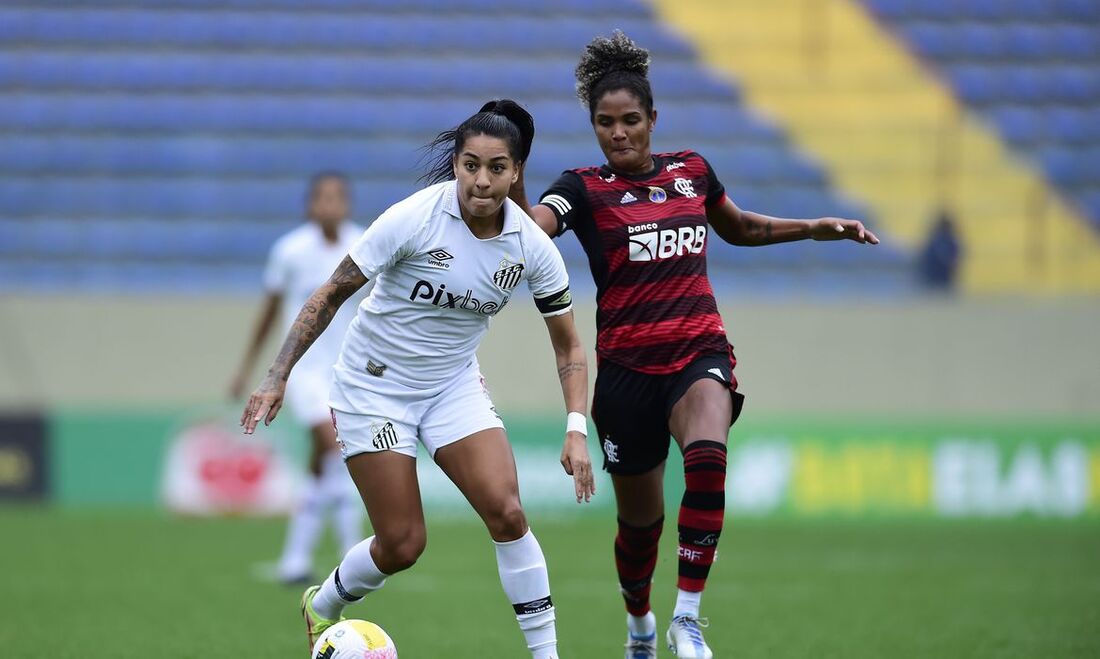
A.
pixel 273 302
pixel 573 374
pixel 741 227
pixel 312 320
pixel 543 216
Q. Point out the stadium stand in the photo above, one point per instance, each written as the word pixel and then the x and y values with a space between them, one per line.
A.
pixel 1031 66
pixel 164 145
pixel 892 130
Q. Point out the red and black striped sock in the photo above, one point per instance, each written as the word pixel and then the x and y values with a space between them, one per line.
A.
pixel 701 512
pixel 636 558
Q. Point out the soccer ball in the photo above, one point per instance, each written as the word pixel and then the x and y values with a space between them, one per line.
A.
pixel 355 639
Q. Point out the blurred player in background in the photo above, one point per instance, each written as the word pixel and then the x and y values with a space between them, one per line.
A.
pixel 300 261
pixel 665 364
pixel 445 260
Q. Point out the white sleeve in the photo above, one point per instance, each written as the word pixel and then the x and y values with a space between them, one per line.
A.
pixel 277 270
pixel 547 278
pixel 386 241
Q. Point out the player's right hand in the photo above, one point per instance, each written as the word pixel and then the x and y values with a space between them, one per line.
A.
pixel 263 405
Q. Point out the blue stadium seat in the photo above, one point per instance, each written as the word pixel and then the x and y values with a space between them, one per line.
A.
pixel 932 39
pixel 977 41
pixel 413 33
pixel 634 8
pixel 525 78
pixel 171 159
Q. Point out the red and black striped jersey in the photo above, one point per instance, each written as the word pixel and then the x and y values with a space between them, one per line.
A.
pixel 646 239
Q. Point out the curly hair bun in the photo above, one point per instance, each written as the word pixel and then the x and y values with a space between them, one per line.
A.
pixel 605 55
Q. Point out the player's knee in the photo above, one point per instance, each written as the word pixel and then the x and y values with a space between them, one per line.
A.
pixel 507 521
pixel 402 552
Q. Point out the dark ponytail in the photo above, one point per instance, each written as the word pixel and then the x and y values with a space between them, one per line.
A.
pixel 504 119
pixel 611 64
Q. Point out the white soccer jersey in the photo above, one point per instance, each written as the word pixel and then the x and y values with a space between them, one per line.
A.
pixel 436 287
pixel 301 261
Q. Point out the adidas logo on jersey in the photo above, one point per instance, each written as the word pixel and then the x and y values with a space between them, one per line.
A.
pixel 627 198
pixel 439 296
pixel 666 243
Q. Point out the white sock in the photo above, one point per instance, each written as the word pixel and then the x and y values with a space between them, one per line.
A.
pixel 523 575
pixel 687 603
pixel 641 627
pixel 305 527
pixel 356 576
pixel 342 501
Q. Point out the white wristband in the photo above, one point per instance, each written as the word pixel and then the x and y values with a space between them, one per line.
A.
pixel 576 422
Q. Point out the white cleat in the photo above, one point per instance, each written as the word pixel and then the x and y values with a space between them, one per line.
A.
pixel 642 646
pixel 685 638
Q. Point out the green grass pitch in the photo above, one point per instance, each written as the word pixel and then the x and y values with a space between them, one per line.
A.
pixel 132 584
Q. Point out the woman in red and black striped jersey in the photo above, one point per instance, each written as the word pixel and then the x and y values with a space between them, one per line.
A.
pixel 664 363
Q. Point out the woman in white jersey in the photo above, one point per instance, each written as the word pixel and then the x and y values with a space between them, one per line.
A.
pixel 444 261
pixel 300 261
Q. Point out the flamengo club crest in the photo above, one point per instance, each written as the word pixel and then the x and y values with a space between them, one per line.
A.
pixel 508 275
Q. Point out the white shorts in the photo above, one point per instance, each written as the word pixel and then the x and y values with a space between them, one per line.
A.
pixel 307 396
pixel 398 416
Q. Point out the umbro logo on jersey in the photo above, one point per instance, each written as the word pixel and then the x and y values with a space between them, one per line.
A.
pixel 439 296
pixel 562 300
pixel 627 198
pixel 558 203
pixel 438 258
pixel 508 276
pixel 384 437
pixel 675 165
pixel 666 243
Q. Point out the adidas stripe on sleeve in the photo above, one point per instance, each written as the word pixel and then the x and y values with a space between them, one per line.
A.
pixel 566 197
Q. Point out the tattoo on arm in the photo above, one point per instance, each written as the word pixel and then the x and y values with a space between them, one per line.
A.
pixel 316 315
pixel 569 369
pixel 755 230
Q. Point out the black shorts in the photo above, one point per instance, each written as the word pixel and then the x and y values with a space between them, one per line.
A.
pixel 631 409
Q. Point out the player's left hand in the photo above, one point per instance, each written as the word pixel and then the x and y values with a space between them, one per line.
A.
pixel 578 464
pixel 836 228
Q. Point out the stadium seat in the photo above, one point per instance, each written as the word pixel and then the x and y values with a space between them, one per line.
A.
pixel 171 159
pixel 1030 65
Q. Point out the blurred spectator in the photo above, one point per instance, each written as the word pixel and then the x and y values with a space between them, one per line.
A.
pixel 939 258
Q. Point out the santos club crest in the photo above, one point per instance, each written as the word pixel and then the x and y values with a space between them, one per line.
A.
pixel 508 275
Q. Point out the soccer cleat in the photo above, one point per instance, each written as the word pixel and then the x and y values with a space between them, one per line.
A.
pixel 641 639
pixel 641 647
pixel 315 624
pixel 685 638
